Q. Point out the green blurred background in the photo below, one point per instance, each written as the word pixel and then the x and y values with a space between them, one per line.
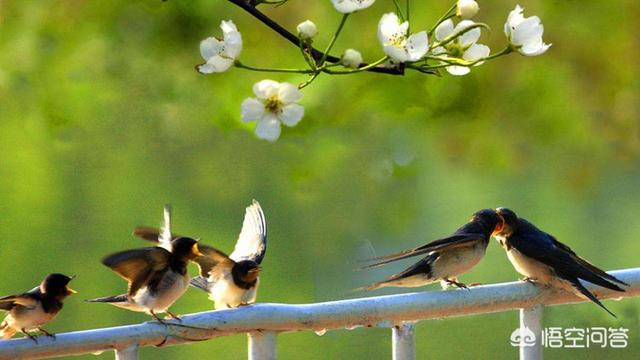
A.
pixel 103 120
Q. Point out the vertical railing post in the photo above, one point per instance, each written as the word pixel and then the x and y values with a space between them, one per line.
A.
pixel 531 323
pixel 130 353
pixel 403 342
pixel 262 345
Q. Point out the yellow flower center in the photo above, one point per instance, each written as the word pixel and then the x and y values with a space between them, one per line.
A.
pixel 455 49
pixel 274 105
pixel 398 40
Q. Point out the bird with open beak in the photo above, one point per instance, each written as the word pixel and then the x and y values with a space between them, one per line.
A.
pixel 32 309
pixel 446 258
pixel 231 281
pixel 543 259
pixel 157 276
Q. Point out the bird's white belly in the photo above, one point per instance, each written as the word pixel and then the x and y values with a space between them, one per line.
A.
pixel 539 272
pixel 457 261
pixel 28 318
pixel 173 287
pixel 529 267
pixel 225 294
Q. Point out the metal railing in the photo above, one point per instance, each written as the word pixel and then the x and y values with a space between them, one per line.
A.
pixel 263 322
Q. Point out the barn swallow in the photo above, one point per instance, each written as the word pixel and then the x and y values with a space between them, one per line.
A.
pixel 231 281
pixel 446 258
pixel 30 310
pixel 543 259
pixel 157 276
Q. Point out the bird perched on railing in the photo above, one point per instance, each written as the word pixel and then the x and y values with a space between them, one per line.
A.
pixel 231 281
pixel 31 310
pixel 446 258
pixel 157 276
pixel 543 259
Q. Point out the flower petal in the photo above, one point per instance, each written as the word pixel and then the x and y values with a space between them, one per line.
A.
pixel 291 114
pixel 266 88
pixel 268 128
pixel 458 70
pixel 470 36
pixel 389 27
pixel 216 64
pixel 289 93
pixel 527 32
pixel 233 45
pixel 210 47
pixel 417 46
pixel 476 52
pixel 397 54
pixel 228 26
pixel 349 6
pixel 344 6
pixel 444 29
pixel 534 49
pixel 514 19
pixel 251 109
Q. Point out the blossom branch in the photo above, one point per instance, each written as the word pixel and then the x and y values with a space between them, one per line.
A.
pixel 249 6
pixel 452 45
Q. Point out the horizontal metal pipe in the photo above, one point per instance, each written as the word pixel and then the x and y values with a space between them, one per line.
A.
pixel 373 311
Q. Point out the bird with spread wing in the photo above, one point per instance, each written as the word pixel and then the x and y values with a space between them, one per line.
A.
pixel 231 281
pixel 157 276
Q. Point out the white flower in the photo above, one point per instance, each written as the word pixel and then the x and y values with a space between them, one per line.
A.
pixel 525 34
pixel 307 30
pixel 274 103
pixel 349 6
pixel 467 9
pixel 351 58
pixel 393 36
pixel 463 47
pixel 220 54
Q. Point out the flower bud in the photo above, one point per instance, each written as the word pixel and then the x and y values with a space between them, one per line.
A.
pixel 466 9
pixel 351 58
pixel 307 30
